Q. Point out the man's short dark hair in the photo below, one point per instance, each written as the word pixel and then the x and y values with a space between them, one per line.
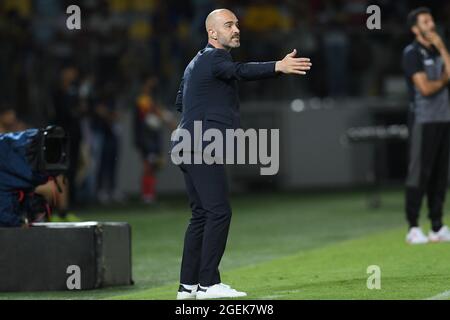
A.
pixel 412 16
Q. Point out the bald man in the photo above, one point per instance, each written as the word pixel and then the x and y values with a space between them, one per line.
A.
pixel 208 93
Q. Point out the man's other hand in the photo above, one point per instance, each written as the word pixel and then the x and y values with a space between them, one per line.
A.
pixel 436 40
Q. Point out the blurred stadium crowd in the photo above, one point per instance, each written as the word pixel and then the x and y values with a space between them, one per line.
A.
pixel 130 55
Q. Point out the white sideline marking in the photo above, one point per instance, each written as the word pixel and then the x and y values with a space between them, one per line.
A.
pixel 441 296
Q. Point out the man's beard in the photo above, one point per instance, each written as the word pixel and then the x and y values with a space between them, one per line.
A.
pixel 235 44
pixel 231 45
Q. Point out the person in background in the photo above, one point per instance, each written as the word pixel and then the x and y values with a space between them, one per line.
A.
pixel 426 62
pixel 68 114
pixel 57 199
pixel 149 121
pixel 107 127
pixel 90 147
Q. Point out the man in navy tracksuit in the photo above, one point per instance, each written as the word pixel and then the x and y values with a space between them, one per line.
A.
pixel 208 93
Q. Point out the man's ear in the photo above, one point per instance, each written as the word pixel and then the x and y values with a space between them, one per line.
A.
pixel 415 30
pixel 213 34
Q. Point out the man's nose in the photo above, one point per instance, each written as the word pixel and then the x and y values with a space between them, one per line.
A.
pixel 236 30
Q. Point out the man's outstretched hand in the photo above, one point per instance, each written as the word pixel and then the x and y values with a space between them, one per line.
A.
pixel 292 65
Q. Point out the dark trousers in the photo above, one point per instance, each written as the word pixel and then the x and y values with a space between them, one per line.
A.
pixel 207 232
pixel 427 171
pixel 106 175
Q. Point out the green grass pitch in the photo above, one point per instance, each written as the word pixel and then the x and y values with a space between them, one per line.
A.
pixel 283 246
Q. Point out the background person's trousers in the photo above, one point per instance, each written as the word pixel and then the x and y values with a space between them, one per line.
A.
pixel 207 233
pixel 427 171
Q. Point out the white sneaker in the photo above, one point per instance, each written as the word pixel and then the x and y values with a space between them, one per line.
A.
pixel 416 236
pixel 443 235
pixel 218 291
pixel 187 292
